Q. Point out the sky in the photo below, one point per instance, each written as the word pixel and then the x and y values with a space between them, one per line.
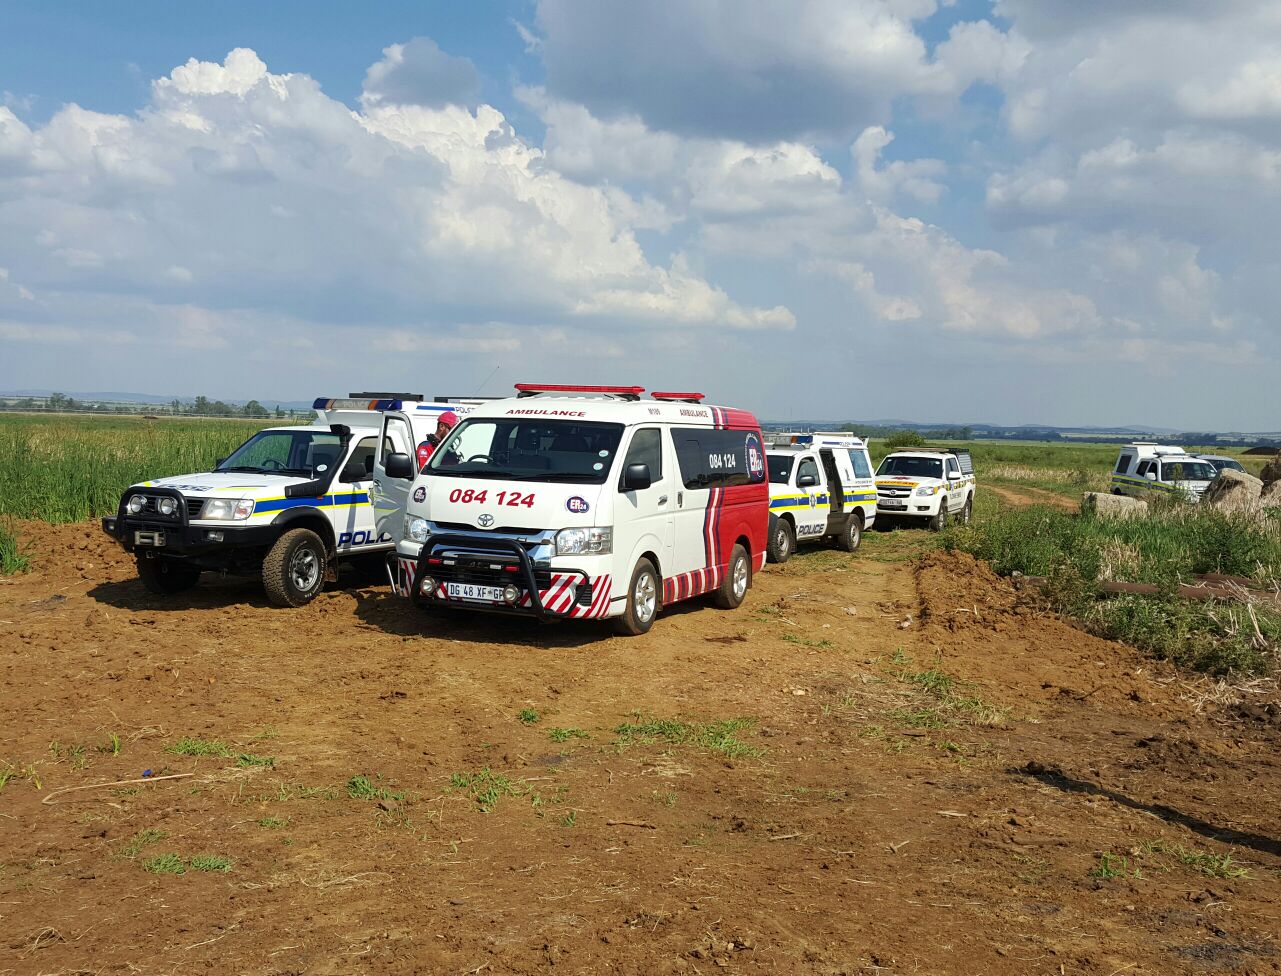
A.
pixel 1012 211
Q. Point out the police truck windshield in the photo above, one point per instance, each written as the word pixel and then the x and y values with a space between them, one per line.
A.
pixel 911 467
pixel 528 450
pixel 301 453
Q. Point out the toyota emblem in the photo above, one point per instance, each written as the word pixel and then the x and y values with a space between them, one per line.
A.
pixel 485 521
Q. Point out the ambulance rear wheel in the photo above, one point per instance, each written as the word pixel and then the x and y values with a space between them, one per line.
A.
pixel 782 541
pixel 738 577
pixel 642 601
pixel 165 575
pixel 850 536
pixel 293 571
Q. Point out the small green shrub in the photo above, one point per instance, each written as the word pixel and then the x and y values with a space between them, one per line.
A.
pixel 12 559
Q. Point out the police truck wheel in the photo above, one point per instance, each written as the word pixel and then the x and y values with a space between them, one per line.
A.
pixel 939 521
pixel 850 536
pixel 165 575
pixel 642 601
pixel 967 512
pixel 782 541
pixel 738 577
pixel 293 571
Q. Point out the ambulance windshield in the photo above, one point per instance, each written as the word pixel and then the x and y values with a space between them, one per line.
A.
pixel 528 449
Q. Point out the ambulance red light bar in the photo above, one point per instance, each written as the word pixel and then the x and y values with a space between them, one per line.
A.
pixel 684 397
pixel 530 389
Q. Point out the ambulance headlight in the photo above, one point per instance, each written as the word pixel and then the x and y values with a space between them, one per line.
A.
pixel 227 509
pixel 136 504
pixel 166 506
pixel 416 528
pixel 927 490
pixel 597 541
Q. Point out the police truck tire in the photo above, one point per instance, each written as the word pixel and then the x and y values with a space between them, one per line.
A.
pixel 644 599
pixel 782 541
pixel 165 575
pixel 967 512
pixel 293 571
pixel 738 577
pixel 850 536
pixel 939 522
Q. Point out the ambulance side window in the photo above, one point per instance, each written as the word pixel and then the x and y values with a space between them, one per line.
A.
pixel 395 438
pixel 862 467
pixel 647 448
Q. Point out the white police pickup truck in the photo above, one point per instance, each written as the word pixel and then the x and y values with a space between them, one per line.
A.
pixel 926 484
pixel 285 505
pixel 820 485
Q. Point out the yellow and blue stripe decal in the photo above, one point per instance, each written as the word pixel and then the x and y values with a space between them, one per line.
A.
pixel 797 501
pixel 342 500
pixel 1126 481
pixel 861 496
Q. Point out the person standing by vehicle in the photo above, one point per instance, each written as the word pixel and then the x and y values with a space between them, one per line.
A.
pixel 444 424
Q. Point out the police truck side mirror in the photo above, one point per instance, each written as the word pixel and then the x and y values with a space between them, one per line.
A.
pixel 636 477
pixel 1151 476
pixel 400 466
pixel 806 481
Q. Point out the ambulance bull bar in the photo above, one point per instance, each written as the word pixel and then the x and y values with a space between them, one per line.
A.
pixel 472 545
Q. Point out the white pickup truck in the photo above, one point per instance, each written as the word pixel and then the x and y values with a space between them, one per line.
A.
pixel 933 485
pixel 820 485
pixel 284 506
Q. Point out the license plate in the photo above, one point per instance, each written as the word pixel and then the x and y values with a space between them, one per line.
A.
pixel 148 538
pixel 891 504
pixel 469 591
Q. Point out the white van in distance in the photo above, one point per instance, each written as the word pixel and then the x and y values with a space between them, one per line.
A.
pixel 584 502
pixel 1144 469
pixel 820 486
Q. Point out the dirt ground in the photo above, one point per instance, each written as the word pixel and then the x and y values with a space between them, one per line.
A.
pixel 934 778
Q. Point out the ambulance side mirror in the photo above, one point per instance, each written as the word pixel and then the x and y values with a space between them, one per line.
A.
pixel 400 466
pixel 636 477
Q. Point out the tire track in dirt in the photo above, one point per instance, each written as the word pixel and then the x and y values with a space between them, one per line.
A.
pixel 1023 495
pixel 883 826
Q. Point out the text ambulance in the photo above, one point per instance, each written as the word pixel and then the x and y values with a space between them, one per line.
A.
pixel 284 506
pixel 585 502
pixel 820 485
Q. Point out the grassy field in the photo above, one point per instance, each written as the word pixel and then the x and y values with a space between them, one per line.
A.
pixel 1166 547
pixel 66 469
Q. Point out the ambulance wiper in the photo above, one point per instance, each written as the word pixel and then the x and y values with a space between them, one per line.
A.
pixel 482 473
pixel 575 476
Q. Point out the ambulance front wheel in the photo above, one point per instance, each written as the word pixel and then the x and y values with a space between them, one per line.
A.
pixel 642 601
pixel 738 577
pixel 782 540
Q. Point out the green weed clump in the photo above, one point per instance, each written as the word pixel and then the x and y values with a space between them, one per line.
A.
pixel 1165 548
pixel 720 737
pixel 12 559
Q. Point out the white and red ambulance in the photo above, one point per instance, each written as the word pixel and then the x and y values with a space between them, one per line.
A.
pixel 584 502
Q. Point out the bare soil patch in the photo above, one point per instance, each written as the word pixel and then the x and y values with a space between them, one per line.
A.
pixel 932 776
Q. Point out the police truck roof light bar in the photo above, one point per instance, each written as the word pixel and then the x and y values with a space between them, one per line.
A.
pixel 533 389
pixel 683 397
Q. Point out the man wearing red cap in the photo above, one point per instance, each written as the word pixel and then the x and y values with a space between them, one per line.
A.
pixel 444 424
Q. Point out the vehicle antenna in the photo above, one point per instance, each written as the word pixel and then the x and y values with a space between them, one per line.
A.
pixel 486 380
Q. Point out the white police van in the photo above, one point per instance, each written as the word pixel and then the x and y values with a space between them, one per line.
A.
pixel 820 485
pixel 285 505
pixel 583 502
pixel 1144 469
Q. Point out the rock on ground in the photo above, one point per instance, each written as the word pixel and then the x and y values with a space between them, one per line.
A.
pixel 1271 497
pixel 1233 491
pixel 1272 470
pixel 1114 506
